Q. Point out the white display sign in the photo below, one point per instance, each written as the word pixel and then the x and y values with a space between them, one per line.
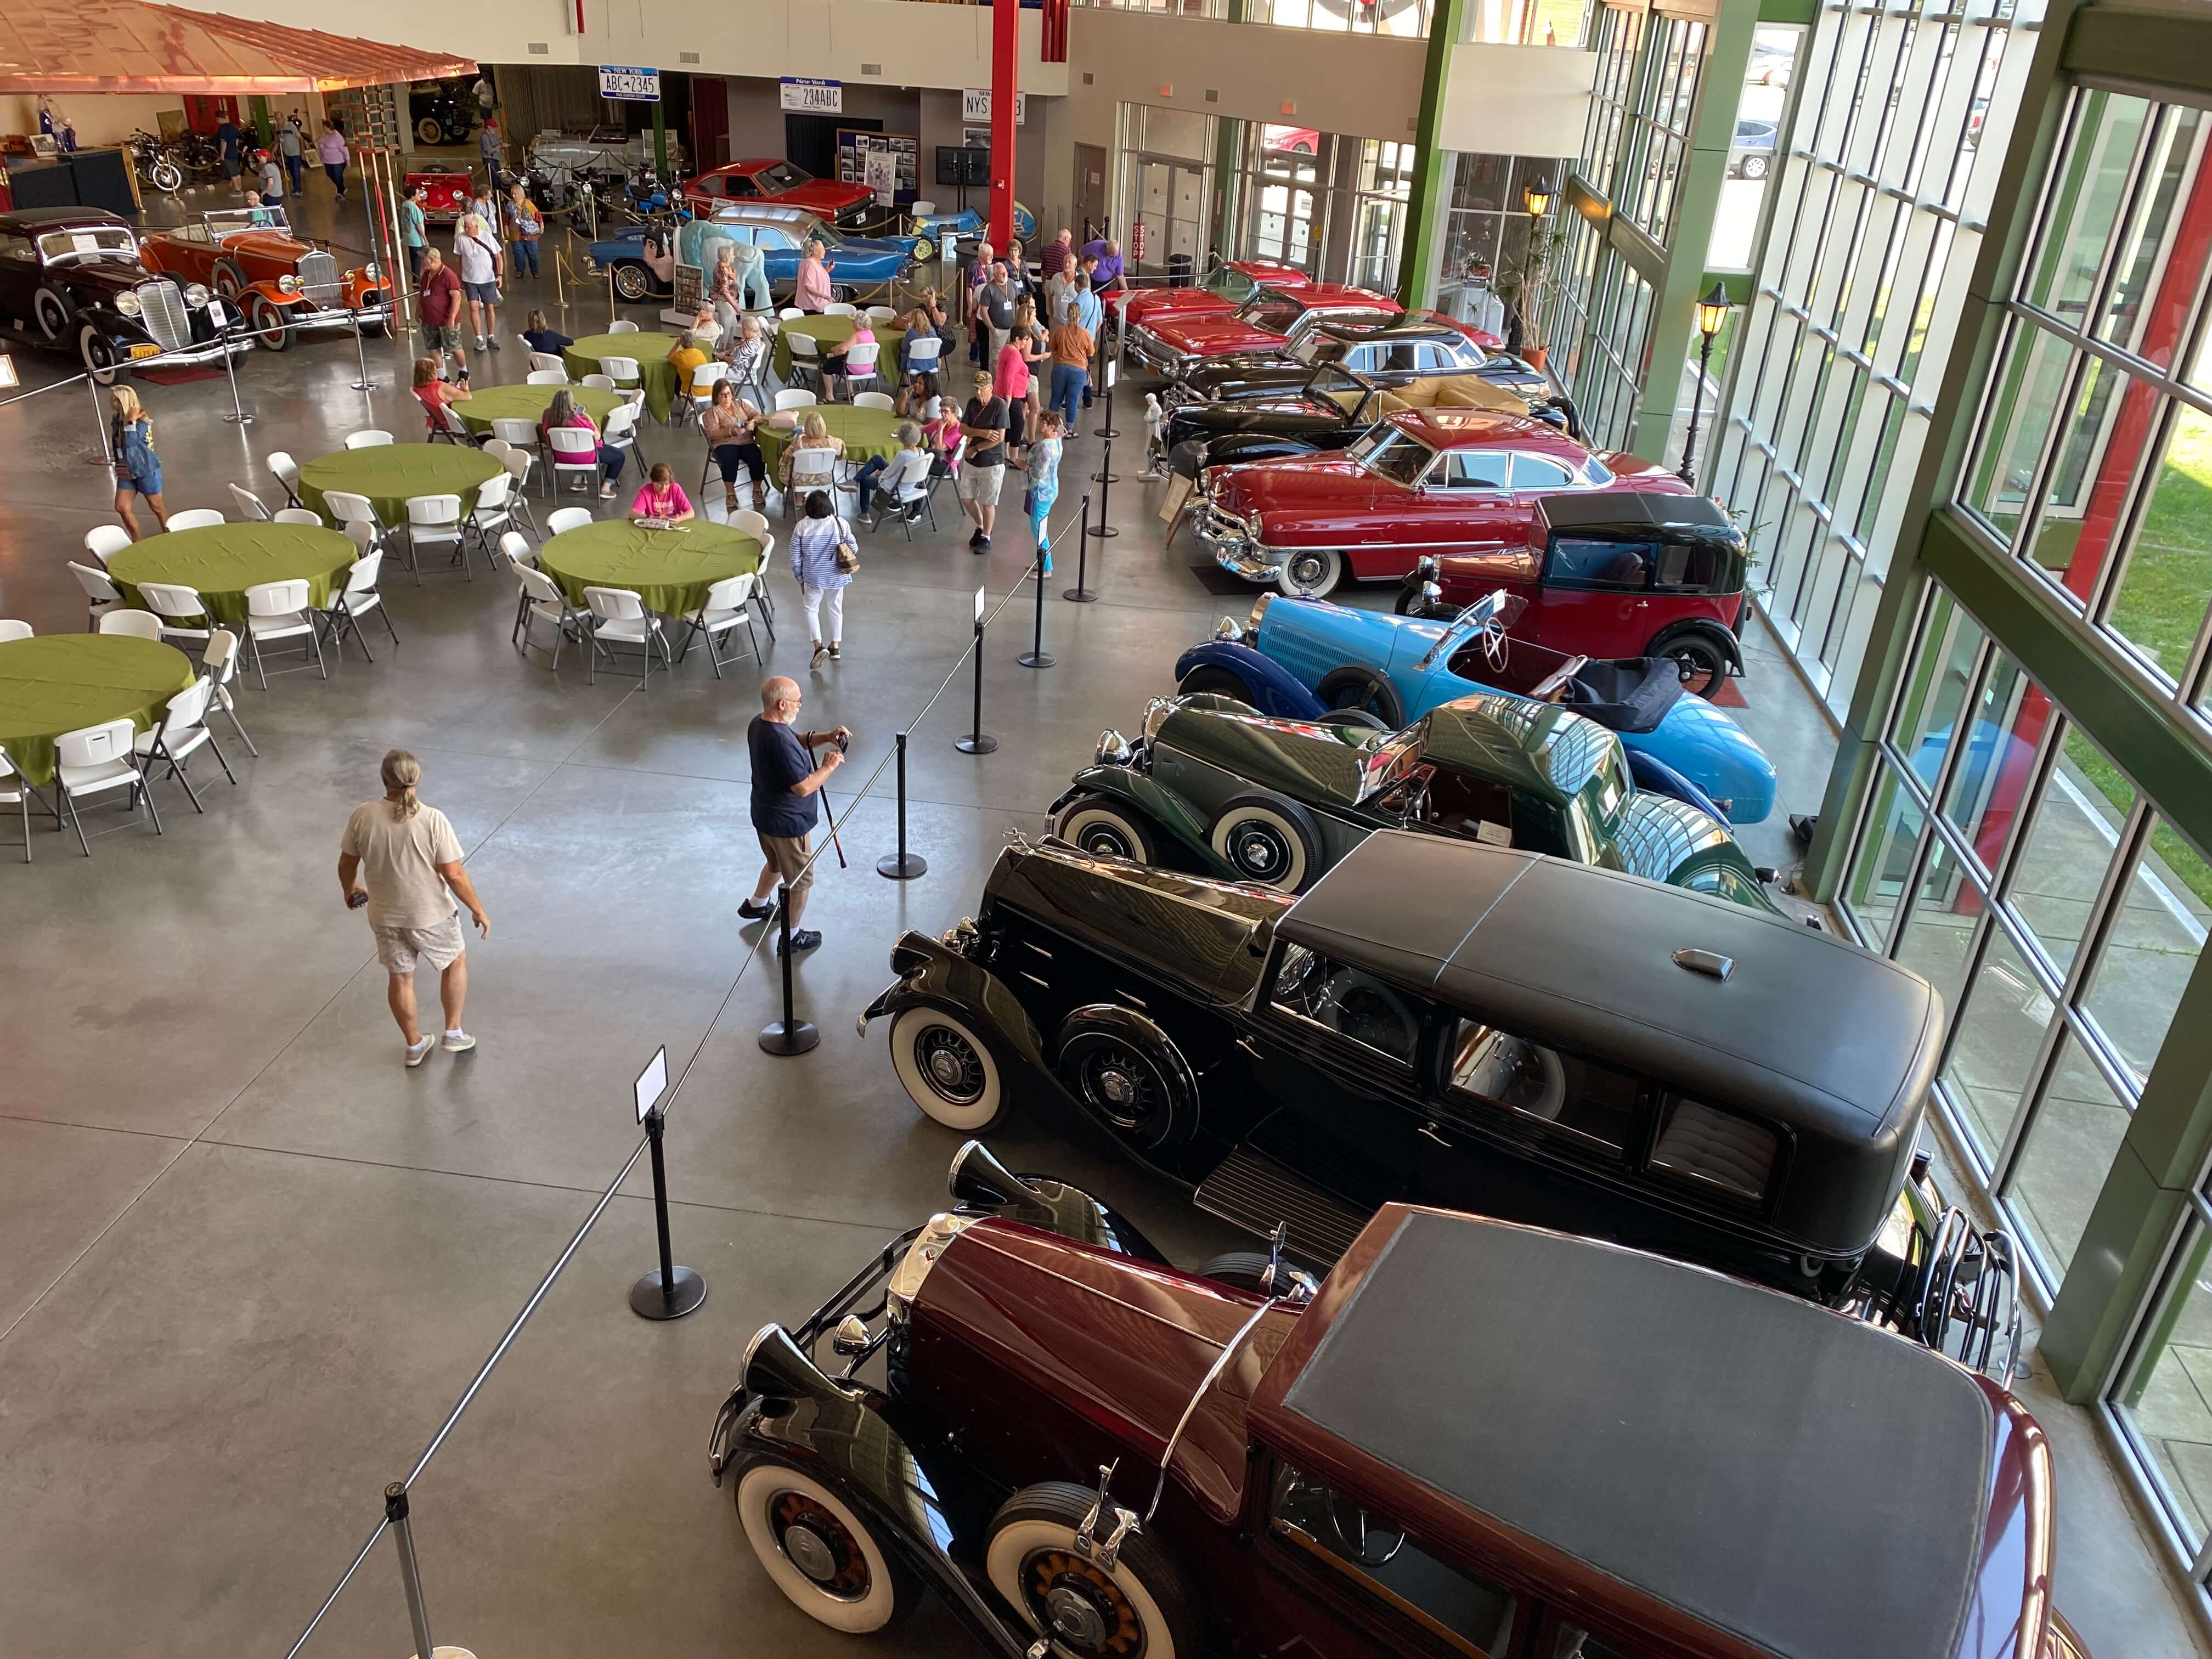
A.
pixel 882 168
pixel 805 97
pixel 976 105
pixel 632 86
pixel 652 1083
pixel 979 605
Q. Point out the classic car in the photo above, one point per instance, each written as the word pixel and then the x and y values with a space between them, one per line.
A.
pixel 1441 1021
pixel 447 191
pixel 1393 350
pixel 1211 786
pixel 765 179
pixel 71 279
pixel 1609 575
pixel 1422 480
pixel 1297 660
pixel 856 264
pixel 443 112
pixel 1223 288
pixel 560 162
pixel 278 282
pixel 1273 318
pixel 1384 1467
pixel 946 231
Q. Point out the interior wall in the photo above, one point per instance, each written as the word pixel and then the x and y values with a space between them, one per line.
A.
pixel 107 118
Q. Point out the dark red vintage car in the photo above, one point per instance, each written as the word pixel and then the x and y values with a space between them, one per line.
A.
pixel 1226 287
pixel 1476 1440
pixel 1422 481
pixel 767 179
pixel 446 192
pixel 1272 319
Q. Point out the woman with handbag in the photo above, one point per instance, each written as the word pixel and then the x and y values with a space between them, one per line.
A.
pixel 824 556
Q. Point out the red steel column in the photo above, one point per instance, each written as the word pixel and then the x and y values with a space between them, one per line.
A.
pixel 1005 74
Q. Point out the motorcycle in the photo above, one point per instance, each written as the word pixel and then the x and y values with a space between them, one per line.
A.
pixel 151 160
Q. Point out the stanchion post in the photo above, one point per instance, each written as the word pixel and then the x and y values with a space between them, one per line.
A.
pixel 360 351
pixel 1037 656
pixel 1121 338
pixel 1103 477
pixel 790 1035
pixel 410 1575
pixel 1079 593
pixel 978 741
pixel 669 1292
pixel 903 865
pixel 100 425
pixel 237 416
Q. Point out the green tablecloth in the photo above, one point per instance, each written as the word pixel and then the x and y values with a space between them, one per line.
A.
pixel 63 682
pixel 866 431
pixel 670 570
pixel 832 332
pixel 655 373
pixel 389 473
pixel 224 560
pixel 527 403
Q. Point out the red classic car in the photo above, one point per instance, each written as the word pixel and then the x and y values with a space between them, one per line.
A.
pixel 1272 319
pixel 770 180
pixel 445 191
pixel 280 284
pixel 1476 1440
pixel 1225 288
pixel 1421 481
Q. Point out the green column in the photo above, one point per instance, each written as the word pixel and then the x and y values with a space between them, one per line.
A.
pixel 1228 153
pixel 1428 214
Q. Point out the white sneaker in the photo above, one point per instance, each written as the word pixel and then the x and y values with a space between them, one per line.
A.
pixel 480 343
pixel 457 1043
pixel 419 1052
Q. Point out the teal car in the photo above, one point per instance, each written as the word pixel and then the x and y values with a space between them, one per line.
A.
pixel 1213 788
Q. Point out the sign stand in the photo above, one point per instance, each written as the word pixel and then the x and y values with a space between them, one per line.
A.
pixel 668 1291
pixel 903 865
pixel 978 741
pixel 237 416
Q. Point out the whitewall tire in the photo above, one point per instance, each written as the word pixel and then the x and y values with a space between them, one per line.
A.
pixel 1262 843
pixel 1314 571
pixel 1142 1605
pixel 947 1069
pixel 819 1553
pixel 1105 827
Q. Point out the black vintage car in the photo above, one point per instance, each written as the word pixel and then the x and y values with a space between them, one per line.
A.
pixel 70 278
pixel 1390 353
pixel 1442 1022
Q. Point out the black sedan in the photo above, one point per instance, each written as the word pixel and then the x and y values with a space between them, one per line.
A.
pixel 71 279
pixel 1391 353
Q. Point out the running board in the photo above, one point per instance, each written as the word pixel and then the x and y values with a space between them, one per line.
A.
pixel 1250 1190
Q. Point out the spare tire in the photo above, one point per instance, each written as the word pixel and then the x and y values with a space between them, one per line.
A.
pixel 1269 839
pixel 1144 1603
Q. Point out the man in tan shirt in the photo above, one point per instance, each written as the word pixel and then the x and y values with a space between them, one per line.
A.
pixel 410 862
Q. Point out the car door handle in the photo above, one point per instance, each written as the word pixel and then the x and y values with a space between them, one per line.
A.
pixel 1643 604
pixel 1430 1130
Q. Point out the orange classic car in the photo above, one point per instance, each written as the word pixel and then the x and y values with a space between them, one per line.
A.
pixel 279 283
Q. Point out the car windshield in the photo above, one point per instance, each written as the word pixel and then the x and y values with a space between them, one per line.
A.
pixel 1330 384
pixel 1387 452
pixel 223 220
pixel 782 176
pixel 1233 286
pixel 88 243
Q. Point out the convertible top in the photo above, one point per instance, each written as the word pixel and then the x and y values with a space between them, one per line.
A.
pixel 1813 1032
pixel 1632 511
pixel 1807 1482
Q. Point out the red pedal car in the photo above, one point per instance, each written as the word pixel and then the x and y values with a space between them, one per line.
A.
pixel 766 180
pixel 445 192
pixel 1272 319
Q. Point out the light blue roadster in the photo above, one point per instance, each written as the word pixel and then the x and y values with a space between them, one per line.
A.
pixel 949 230
pixel 1298 659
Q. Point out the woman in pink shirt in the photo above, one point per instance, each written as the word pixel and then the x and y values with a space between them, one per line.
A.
pixel 661 496
pixel 833 365
pixel 1012 381
pixel 812 293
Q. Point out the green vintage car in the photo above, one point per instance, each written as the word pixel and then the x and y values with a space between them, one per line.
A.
pixel 1213 788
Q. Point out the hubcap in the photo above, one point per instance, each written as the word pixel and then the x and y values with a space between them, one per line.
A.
pixel 950 1063
pixel 815 1542
pixel 810 1553
pixel 1306 572
pixel 1073 1618
pixel 1108 842
pixel 1117 1086
pixel 1082 1606
pixel 1258 852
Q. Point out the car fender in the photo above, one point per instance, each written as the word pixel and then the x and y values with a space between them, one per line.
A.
pixel 1166 809
pixel 1275 691
pixel 931 974
pixel 1705 626
pixel 268 290
pixel 1702 743
pixel 1654 774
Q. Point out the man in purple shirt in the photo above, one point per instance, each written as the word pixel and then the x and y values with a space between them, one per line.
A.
pixel 1107 277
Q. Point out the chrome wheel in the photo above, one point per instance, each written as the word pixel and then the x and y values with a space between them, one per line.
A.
pixel 817 1543
pixel 1080 1605
pixel 632 283
pixel 1123 1088
pixel 950 1063
pixel 1314 571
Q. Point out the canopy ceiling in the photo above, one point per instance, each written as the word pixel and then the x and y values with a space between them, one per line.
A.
pixel 129 46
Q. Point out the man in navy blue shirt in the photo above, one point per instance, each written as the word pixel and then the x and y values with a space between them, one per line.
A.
pixel 786 785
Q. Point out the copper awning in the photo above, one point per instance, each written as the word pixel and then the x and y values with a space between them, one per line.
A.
pixel 128 45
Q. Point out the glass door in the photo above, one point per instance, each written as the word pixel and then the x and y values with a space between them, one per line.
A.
pixel 1288 211
pixel 1170 199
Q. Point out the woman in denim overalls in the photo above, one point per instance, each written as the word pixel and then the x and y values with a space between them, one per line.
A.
pixel 137 468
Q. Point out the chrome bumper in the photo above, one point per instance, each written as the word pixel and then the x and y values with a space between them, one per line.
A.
pixel 1150 355
pixel 338 317
pixel 1226 539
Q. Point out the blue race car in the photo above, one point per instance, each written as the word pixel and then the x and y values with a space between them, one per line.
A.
pixel 856 263
pixel 1299 658
pixel 949 230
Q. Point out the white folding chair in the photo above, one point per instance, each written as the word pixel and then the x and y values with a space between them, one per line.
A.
pixel 907 495
pixel 840 308
pixel 881 314
pixel 873 400
pixel 286 470
pixel 139 624
pixel 514 548
pixel 704 380
pixel 299 515
pixel 278 610
pixel 249 504
pixel 622 327
pixel 194 518
pixel 518 463
pixel 436 521
pixel 182 732
pixel 350 509
pixel 622 371
pixel 10 629
pixel 621 431
pixel 789 313
pixel 861 361
pixel 104 542
pixel 794 397
pixel 368 438
pixel 15 791
pixel 98 592
pixel 810 469
pixel 619 615
pixel 498 448
pixel 922 354
pixel 221 661
pixel 356 599
pixel 599 382
pixel 542 600
pixel 546 362
pixel 576 451
pixel 93 760
pixel 722 610
pixel 445 422
pixel 565 518
pixel 183 614
pixel 806 361
pixel 756 525
pixel 546 377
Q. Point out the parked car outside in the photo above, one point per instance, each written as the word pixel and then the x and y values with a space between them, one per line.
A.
pixel 1752 152
pixel 1273 318
pixel 1087 1452
pixel 1223 288
pixel 1211 786
pixel 1297 660
pixel 856 263
pixel 71 279
pixel 278 282
pixel 765 179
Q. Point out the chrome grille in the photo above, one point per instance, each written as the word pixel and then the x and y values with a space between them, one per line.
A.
pixel 162 309
pixel 1216 526
pixel 318 278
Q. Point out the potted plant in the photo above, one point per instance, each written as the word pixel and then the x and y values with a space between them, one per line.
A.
pixel 1522 289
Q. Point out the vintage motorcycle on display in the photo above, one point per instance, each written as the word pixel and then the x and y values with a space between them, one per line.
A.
pixel 151 160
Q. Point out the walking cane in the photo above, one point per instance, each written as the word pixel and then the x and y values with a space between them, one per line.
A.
pixel 827 813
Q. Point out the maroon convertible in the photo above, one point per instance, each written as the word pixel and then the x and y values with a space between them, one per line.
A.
pixel 1477 1440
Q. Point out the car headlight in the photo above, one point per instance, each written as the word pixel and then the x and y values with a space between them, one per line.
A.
pixel 196 296
pixel 288 284
pixel 128 304
pixel 1156 713
pixel 1258 610
pixel 368 271
pixel 1425 567
pixel 1256 527
pixel 1113 748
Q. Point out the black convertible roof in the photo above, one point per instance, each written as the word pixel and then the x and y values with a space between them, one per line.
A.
pixel 1805 1480
pixel 1580 509
pixel 1809 1029
pixel 36 221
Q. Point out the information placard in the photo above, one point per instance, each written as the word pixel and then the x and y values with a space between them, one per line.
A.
pixel 652 1083
pixel 803 96
pixel 630 86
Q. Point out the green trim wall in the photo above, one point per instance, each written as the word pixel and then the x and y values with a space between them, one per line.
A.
pixel 1428 213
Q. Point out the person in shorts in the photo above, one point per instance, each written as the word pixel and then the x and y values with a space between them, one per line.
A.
pixel 438 305
pixel 477 251
pixel 786 799
pixel 408 862
pixel 983 467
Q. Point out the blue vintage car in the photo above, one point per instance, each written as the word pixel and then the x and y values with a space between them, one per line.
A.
pixel 1298 659
pixel 949 230
pixel 856 263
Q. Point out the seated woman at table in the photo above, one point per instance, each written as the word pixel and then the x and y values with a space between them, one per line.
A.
pixel 909 468
pixel 435 393
pixel 941 437
pixel 731 427
pixel 565 411
pixel 920 398
pixel 814 434
pixel 746 353
pixel 544 338
pixel 686 354
pixel 833 363
pixel 661 496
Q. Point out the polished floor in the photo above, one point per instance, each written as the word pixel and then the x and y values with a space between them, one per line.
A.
pixel 248 1261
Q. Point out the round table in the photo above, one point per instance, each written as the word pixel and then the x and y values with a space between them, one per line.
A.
pixel 669 570
pixel 866 431
pixel 832 332
pixel 63 682
pixel 655 373
pixel 527 403
pixel 223 560
pixel 389 473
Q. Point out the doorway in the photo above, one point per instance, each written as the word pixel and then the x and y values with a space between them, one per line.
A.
pixel 1090 190
pixel 1289 203
pixel 810 141
pixel 710 122
pixel 1167 196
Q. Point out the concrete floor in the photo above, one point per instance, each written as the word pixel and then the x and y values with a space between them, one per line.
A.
pixel 248 1261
